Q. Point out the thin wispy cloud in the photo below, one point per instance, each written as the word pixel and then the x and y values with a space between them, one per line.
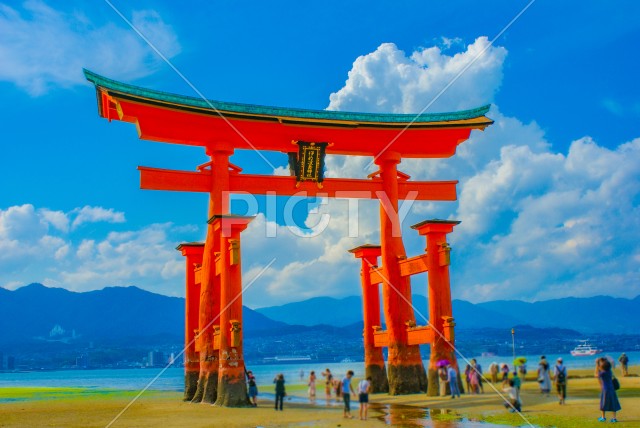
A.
pixel 45 47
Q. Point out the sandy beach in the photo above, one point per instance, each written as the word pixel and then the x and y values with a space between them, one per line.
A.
pixel 76 407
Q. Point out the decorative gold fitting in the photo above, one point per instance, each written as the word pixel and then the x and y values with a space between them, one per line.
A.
pixel 236 336
pixel 444 254
pixel 234 252
pixel 448 321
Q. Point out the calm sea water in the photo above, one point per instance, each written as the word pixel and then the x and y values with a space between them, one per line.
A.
pixel 172 379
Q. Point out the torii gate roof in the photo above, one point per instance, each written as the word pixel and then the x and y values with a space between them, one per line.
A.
pixel 180 119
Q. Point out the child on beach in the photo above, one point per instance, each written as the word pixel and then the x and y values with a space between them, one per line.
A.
pixel 512 395
pixel 280 391
pixel 253 388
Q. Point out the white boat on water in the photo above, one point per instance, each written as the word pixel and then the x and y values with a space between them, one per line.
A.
pixel 585 349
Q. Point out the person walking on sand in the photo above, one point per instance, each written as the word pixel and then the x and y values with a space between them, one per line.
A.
pixel 494 370
pixel 504 368
pixel 474 381
pixel 544 380
pixel 522 369
pixel 452 380
pixel 624 364
pixel 280 391
pixel 517 383
pixel 608 397
pixel 337 387
pixel 312 386
pixel 364 389
pixel 478 369
pixel 560 379
pixel 328 384
pixel 253 388
pixel 467 378
pixel 347 390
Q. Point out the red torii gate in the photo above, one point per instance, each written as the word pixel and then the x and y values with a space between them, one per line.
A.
pixel 222 128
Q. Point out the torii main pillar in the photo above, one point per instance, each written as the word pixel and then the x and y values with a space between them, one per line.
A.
pixel 193 257
pixel 374 365
pixel 207 391
pixel 232 389
pixel 406 372
pixel 439 291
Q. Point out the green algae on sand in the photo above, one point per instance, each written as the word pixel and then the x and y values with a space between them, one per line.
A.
pixel 24 393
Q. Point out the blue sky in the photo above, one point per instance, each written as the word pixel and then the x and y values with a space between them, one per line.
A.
pixel 548 196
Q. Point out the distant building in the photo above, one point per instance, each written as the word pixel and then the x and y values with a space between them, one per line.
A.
pixel 156 359
pixel 82 362
pixel 57 330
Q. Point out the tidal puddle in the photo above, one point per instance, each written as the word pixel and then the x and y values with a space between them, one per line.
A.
pixel 399 415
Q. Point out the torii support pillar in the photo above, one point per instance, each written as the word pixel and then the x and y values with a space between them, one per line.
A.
pixel 207 391
pixel 232 389
pixel 373 359
pixel 193 254
pixel 406 372
pixel 439 291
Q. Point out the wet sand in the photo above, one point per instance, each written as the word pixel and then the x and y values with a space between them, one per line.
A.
pixel 84 408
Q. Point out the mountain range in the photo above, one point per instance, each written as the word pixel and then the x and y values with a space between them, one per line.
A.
pixel 118 313
pixel 111 314
pixel 600 314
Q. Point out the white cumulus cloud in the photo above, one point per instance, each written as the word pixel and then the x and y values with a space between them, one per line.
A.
pixel 36 245
pixel 388 80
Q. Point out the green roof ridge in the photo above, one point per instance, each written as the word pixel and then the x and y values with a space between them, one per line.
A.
pixel 113 85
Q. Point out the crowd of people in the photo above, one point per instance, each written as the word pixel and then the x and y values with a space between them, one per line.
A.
pixel 546 377
pixel 342 389
pixel 450 382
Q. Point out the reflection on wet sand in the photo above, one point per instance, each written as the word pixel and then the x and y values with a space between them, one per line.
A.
pixel 410 416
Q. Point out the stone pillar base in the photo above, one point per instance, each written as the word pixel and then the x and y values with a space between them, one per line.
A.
pixel 232 394
pixel 207 391
pixel 407 379
pixel 433 382
pixel 190 385
pixel 379 381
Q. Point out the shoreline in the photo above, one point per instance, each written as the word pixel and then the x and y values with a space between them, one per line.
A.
pixel 89 407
